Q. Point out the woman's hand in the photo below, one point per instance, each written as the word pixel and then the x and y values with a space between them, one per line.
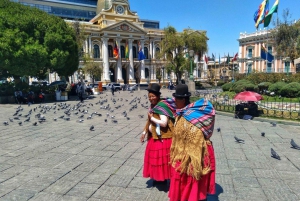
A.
pixel 150 115
pixel 142 138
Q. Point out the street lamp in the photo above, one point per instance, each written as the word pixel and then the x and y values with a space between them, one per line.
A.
pixel 163 68
pixel 191 55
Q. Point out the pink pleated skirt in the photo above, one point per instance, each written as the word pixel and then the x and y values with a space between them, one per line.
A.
pixel 157 159
pixel 185 188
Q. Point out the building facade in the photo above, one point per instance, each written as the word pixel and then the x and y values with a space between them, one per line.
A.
pixel 250 55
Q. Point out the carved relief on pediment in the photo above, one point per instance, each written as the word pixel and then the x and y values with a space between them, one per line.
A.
pixel 124 27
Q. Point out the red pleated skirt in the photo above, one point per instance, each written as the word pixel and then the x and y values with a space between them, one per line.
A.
pixel 157 159
pixel 185 188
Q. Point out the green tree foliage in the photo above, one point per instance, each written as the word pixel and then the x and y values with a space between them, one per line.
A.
pixel 33 42
pixel 92 68
pixel 291 90
pixel 243 85
pixel 175 44
pixel 287 37
pixel 276 87
pixel 227 86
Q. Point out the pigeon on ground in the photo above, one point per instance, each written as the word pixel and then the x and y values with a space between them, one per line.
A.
pixel 20 123
pixel 92 128
pixel 141 116
pixel 294 145
pixel 89 117
pixel 219 129
pixel 105 120
pixel 5 123
pixel 11 120
pixel 273 124
pixel 274 154
pixel 35 123
pixel 80 120
pixel 238 139
pixel 61 117
pixel 115 121
pixel 127 118
pixel 263 134
pixel 54 119
pixel 28 119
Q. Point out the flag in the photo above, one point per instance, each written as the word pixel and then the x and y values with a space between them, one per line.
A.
pixel 235 57
pixel 264 54
pixel 268 18
pixel 116 51
pixel 213 57
pixel 141 55
pixel 206 59
pixel 126 51
pixel 228 59
pixel 260 14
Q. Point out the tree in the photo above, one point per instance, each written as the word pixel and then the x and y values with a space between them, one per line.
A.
pixel 34 42
pixel 287 37
pixel 174 47
pixel 92 68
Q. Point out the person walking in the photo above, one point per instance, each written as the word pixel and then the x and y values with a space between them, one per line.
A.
pixel 192 154
pixel 80 91
pixel 158 131
pixel 113 89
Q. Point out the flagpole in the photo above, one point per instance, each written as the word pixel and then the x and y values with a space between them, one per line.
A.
pixel 215 71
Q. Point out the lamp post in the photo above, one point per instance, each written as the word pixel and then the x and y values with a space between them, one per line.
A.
pixel 191 55
pixel 163 74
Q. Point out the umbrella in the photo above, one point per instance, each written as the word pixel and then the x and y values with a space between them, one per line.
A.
pixel 57 83
pixel 248 96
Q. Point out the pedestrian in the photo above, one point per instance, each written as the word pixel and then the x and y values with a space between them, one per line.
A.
pixel 158 131
pixel 41 96
pixel 113 89
pixel 192 154
pixel 79 91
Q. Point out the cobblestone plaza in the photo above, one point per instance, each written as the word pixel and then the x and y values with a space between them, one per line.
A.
pixel 64 160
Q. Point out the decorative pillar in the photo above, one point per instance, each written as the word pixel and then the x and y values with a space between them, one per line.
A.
pixel 106 75
pixel 90 46
pixel 86 51
pixel 143 79
pixel 131 67
pixel 119 63
pixel 150 49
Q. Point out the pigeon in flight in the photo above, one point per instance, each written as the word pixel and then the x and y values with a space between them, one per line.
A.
pixel 238 139
pixel 294 145
pixel 92 128
pixel 274 154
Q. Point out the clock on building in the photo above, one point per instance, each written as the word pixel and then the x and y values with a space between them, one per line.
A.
pixel 120 9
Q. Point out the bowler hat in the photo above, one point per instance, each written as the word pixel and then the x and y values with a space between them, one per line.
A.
pixel 182 91
pixel 154 88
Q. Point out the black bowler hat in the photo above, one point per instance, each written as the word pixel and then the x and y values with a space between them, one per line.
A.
pixel 154 88
pixel 182 91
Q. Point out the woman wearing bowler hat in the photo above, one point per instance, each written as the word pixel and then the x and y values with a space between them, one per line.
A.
pixel 192 155
pixel 159 131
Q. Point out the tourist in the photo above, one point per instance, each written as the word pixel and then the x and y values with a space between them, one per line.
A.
pixel 192 155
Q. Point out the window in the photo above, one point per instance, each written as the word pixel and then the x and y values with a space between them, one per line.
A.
pixel 157 50
pixel 146 52
pixel 134 51
pixel 96 51
pixel 269 67
pixel 249 53
pixel 249 68
pixel 110 51
pixel 287 67
pixel 122 51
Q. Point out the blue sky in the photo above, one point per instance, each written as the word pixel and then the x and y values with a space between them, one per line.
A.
pixel 222 19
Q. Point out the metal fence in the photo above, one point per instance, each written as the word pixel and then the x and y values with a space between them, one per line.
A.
pixel 277 109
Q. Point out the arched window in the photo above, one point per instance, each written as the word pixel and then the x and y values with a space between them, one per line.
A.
pixel 96 51
pixel 157 50
pixel 110 51
pixel 134 51
pixel 146 52
pixel 122 51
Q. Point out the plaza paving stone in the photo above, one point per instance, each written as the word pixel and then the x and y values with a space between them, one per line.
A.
pixel 64 160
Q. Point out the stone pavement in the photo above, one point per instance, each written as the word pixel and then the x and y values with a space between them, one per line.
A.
pixel 64 160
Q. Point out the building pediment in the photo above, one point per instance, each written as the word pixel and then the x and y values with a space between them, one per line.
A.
pixel 124 26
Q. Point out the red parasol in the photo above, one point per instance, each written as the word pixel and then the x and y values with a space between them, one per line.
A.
pixel 248 96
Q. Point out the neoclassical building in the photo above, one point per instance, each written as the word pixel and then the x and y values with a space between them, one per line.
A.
pixel 250 54
pixel 115 24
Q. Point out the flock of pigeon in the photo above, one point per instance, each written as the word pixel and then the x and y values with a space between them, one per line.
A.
pixel 79 112
pixel 274 154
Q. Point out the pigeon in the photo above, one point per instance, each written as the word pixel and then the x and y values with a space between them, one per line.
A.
pixel 89 117
pixel 274 154
pixel 20 123
pixel 263 134
pixel 238 139
pixel 115 121
pixel 294 145
pixel 81 116
pixel 80 120
pixel 28 119
pixel 219 129
pixel 273 124
pixel 92 128
pixel 67 118
pixel 54 119
pixel 5 123
pixel 141 116
pixel 35 123
pixel 61 117
pixel 127 118
pixel 105 120
pixel 11 120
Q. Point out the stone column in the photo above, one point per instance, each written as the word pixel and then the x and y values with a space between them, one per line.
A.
pixel 131 67
pixel 119 64
pixel 105 61
pixel 143 79
pixel 90 47
pixel 86 51
pixel 150 49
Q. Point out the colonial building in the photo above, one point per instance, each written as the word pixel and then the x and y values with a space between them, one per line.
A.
pixel 250 54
